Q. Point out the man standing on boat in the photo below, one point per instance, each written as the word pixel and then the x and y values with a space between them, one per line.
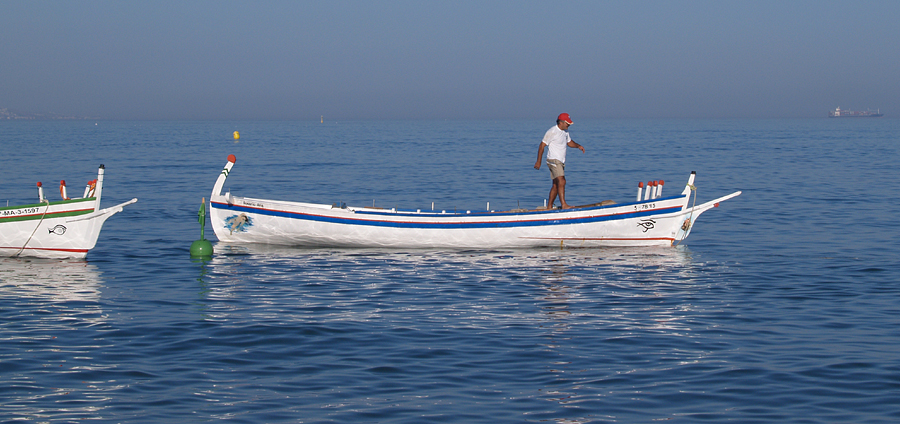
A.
pixel 555 140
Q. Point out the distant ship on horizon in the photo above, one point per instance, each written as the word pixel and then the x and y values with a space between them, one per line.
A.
pixel 838 113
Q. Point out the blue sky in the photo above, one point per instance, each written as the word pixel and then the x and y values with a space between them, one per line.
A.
pixel 448 60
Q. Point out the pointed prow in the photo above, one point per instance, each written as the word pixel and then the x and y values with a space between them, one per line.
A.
pixel 220 182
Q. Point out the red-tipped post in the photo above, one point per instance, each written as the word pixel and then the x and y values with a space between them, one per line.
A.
pixel 62 190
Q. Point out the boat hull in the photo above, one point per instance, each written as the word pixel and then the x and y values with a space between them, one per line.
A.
pixel 838 113
pixel 265 221
pixel 67 229
pixel 654 222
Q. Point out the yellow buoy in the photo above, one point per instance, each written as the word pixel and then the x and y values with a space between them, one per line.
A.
pixel 237 135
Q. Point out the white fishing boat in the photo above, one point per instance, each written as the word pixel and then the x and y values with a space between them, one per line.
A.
pixel 68 228
pixel 649 220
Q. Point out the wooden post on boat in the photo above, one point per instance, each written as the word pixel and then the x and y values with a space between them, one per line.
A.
pixel 98 188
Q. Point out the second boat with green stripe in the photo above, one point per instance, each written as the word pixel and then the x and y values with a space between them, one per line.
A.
pixel 67 228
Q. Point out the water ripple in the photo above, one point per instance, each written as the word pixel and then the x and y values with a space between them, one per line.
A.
pixel 778 308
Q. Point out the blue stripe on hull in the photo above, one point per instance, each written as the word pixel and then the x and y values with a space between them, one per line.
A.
pixel 440 225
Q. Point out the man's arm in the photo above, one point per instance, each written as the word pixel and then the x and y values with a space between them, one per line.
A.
pixel 572 143
pixel 537 165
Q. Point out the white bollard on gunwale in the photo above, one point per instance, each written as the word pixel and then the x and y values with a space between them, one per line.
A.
pixel 640 190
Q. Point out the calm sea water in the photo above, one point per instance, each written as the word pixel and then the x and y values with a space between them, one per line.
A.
pixel 782 306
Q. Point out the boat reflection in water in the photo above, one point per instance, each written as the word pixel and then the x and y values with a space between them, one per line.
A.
pixel 46 296
pixel 599 283
pixel 50 281
pixel 561 276
pixel 560 326
pixel 638 304
pixel 45 304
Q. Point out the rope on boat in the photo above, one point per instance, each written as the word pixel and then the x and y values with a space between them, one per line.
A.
pixel 35 228
pixel 687 223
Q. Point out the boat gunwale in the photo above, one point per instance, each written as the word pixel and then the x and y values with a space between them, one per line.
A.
pixel 410 212
pixel 58 202
pixel 65 213
pixel 448 221
pixel 430 213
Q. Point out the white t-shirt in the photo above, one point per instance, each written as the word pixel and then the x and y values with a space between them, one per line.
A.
pixel 557 141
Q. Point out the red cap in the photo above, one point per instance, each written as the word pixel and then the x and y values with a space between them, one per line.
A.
pixel 564 117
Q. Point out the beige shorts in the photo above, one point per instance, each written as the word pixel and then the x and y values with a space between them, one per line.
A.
pixel 557 168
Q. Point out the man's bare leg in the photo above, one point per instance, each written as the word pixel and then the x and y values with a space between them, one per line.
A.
pixel 560 185
pixel 553 192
